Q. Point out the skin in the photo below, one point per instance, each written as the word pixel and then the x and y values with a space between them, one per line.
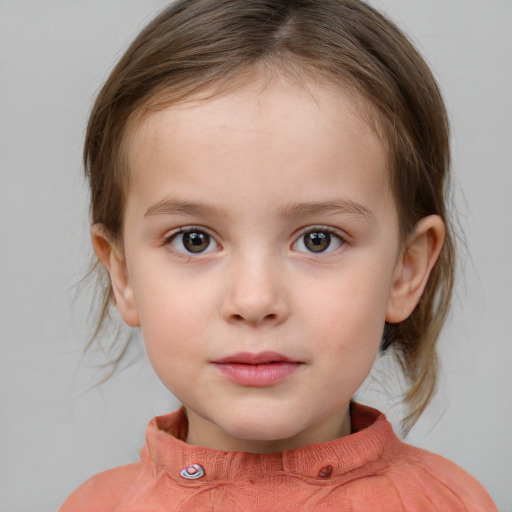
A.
pixel 255 170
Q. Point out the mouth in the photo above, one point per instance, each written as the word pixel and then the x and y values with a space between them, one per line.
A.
pixel 255 359
pixel 257 370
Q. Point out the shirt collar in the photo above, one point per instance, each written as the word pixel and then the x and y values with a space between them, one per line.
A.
pixel 165 450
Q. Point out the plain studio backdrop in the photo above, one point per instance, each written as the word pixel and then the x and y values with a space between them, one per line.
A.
pixel 56 429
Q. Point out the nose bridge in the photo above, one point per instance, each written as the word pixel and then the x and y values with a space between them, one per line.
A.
pixel 256 290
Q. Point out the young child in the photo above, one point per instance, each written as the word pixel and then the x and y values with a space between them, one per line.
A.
pixel 268 183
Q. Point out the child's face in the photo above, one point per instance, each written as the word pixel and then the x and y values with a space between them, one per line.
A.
pixel 260 228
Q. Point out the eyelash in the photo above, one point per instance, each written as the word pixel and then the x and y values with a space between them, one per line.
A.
pixel 184 230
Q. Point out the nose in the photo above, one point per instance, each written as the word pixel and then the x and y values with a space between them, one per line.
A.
pixel 255 293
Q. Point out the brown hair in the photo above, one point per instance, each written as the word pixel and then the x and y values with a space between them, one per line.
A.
pixel 195 45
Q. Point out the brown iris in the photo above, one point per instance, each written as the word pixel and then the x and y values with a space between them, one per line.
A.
pixel 317 241
pixel 196 241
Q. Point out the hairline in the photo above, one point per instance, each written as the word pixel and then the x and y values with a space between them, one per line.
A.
pixel 293 69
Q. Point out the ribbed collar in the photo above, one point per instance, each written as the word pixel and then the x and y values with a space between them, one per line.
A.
pixel 166 451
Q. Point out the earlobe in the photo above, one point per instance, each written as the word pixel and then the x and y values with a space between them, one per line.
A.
pixel 111 255
pixel 414 266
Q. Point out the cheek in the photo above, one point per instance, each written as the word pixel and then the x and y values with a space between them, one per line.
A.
pixel 350 303
pixel 173 320
pixel 347 316
pixel 349 346
pixel 172 336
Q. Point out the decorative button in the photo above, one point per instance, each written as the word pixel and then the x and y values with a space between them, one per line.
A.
pixel 192 472
pixel 325 472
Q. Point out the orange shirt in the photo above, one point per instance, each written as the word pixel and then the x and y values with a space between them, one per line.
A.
pixel 369 470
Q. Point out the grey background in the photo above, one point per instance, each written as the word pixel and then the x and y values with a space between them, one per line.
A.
pixel 56 429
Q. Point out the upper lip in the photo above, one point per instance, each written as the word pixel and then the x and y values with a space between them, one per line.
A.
pixel 255 358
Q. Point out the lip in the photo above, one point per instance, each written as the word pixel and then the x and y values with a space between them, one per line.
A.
pixel 257 369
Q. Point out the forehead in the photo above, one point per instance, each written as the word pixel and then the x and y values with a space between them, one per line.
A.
pixel 265 81
pixel 271 132
pixel 251 100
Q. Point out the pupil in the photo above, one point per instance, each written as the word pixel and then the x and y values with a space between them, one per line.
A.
pixel 196 241
pixel 317 241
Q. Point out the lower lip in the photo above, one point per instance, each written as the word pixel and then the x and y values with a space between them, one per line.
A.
pixel 258 375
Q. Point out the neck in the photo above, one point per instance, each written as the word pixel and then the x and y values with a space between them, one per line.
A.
pixel 202 432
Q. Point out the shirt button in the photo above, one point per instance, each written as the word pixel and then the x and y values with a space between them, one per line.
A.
pixel 192 472
pixel 325 472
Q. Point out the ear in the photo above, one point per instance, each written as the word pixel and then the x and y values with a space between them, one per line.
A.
pixel 414 267
pixel 111 255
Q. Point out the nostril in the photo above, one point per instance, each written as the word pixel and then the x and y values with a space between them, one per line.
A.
pixel 257 311
pixel 271 317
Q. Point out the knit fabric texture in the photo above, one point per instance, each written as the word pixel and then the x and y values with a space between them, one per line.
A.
pixel 369 470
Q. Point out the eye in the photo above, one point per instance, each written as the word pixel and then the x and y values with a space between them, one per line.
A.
pixel 192 241
pixel 318 241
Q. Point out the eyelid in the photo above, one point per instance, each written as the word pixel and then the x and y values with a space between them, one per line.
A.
pixel 322 227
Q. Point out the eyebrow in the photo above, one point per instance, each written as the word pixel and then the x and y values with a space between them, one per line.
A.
pixel 342 206
pixel 177 206
pixel 181 207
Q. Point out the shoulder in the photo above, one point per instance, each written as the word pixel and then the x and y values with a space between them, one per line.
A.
pixel 409 478
pixel 102 491
pixel 445 484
